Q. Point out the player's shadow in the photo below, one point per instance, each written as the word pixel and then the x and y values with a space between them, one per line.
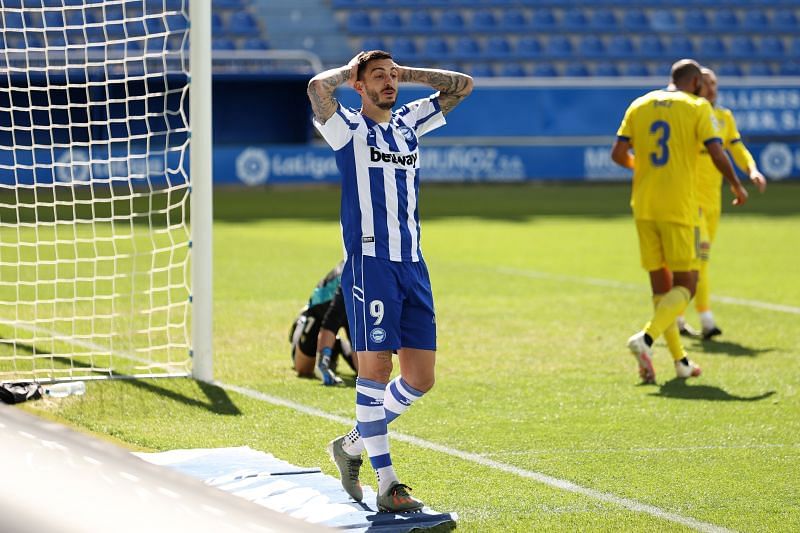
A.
pixel 732 349
pixel 217 399
pixel 679 388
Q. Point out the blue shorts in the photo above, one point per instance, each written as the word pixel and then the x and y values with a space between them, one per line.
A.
pixel 389 304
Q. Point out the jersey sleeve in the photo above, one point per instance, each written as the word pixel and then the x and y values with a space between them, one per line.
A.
pixel 741 155
pixel 707 128
pixel 423 115
pixel 338 130
pixel 624 133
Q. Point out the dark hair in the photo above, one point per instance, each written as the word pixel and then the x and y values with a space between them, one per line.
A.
pixel 684 70
pixel 366 57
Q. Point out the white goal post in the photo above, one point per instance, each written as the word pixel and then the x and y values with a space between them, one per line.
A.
pixel 102 275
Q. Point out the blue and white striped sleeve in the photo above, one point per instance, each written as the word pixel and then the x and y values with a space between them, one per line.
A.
pixel 338 130
pixel 423 115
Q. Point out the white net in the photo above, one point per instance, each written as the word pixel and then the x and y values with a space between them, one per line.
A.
pixel 94 189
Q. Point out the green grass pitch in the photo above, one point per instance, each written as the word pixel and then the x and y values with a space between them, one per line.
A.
pixel 537 289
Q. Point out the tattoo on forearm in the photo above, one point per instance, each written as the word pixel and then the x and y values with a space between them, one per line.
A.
pixel 320 92
pixel 452 86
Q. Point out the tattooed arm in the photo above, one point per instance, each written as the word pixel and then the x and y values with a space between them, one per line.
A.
pixel 321 88
pixel 452 86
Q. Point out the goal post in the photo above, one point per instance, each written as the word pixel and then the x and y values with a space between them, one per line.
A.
pixel 102 275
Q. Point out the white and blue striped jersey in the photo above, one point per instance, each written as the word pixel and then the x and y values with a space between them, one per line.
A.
pixel 380 165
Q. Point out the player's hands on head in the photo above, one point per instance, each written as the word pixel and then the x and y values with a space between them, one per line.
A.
pixel 758 180
pixel 353 64
pixel 741 194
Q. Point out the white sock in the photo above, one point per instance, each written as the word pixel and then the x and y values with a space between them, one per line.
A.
pixel 707 320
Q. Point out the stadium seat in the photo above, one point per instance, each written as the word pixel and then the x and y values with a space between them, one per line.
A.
pixel 755 20
pixel 574 19
pixel 558 46
pixel 725 20
pixel 784 19
pixel 651 46
pixel 497 47
pixel 636 69
pixel 481 70
pixel 528 47
pixel 226 4
pixel 770 46
pixel 467 48
pixel 545 70
pixel 255 43
pixel 695 20
pixel 483 20
pixel 711 46
pixel 663 20
pixel 591 46
pixel 55 19
pixel 436 48
pixel 577 70
pixel 635 20
pixel 603 19
pixel 222 43
pixel 33 19
pixel 373 43
pixel 451 21
pixel 242 23
pixel 389 22
pixel 358 21
pixel 513 70
pixel 216 24
pixel 513 20
pixel 543 19
pixel 420 21
pixel 789 68
pixel 759 69
pixel 794 47
pixel 404 48
pixel 742 46
pixel 680 46
pixel 606 69
pixel 620 46
pixel 729 69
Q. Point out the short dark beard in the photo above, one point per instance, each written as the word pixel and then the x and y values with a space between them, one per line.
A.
pixel 375 97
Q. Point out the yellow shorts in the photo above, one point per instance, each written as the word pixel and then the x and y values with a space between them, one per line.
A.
pixel 675 246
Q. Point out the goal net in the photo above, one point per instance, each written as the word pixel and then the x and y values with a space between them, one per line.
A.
pixel 94 189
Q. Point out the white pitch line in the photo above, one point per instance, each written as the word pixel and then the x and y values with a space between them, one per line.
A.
pixel 562 484
pixel 567 451
pixel 599 282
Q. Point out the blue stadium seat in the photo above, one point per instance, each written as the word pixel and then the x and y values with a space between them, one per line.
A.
pixel 514 20
pixel 606 69
pixel 620 46
pixel 591 46
pixel 543 19
pixel 451 21
pixel 651 46
pixel 771 46
pixel 755 20
pixel 574 19
pixel 577 70
pixel 420 21
pixel 55 19
pixel 404 49
pixel 636 69
pixel 711 46
pixel 226 4
pixel 467 48
pixel 695 20
pixel 498 47
pixel 789 68
pixel 558 46
pixel 481 70
pixel 794 47
pixel 216 23
pixel 436 48
pixel 545 70
pixel 13 20
pixel 635 20
pixel 725 19
pixel 760 69
pixel 663 20
pixel 742 46
pixel 255 43
pixel 483 20
pixel 33 19
pixel 603 19
pixel 680 46
pixel 222 43
pixel 729 68
pixel 513 70
pixel 528 47
pixel 785 20
pixel 373 43
pixel 358 21
pixel 389 22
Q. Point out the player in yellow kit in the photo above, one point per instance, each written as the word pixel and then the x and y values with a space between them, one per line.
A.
pixel 666 129
pixel 709 197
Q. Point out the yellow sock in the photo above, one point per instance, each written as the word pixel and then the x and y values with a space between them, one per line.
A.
pixel 671 335
pixel 702 297
pixel 670 307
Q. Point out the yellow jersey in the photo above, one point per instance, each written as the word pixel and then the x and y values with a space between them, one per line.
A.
pixel 709 179
pixel 667 129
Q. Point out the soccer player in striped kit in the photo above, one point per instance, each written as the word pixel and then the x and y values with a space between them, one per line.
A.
pixel 385 280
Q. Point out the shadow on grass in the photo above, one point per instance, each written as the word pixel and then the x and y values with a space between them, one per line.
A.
pixel 679 388
pixel 732 349
pixel 217 399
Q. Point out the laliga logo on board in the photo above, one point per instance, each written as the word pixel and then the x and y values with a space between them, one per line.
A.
pixel 776 160
pixel 73 166
pixel 252 166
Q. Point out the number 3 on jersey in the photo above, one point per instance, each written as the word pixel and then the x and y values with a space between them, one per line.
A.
pixel 660 128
